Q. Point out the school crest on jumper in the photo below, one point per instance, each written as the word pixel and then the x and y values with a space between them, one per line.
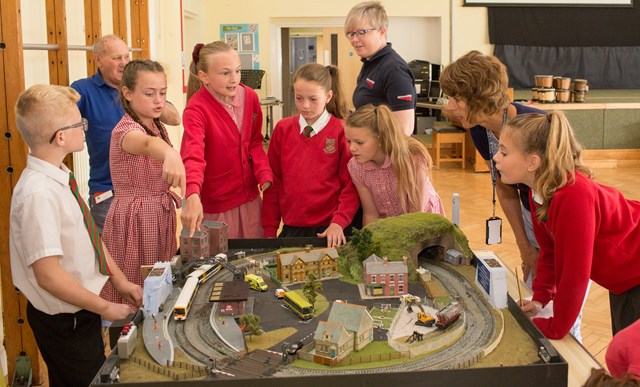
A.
pixel 370 82
pixel 330 145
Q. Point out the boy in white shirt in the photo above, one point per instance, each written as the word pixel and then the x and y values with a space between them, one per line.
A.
pixel 53 257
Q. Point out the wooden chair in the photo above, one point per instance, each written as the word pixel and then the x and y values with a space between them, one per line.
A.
pixel 446 133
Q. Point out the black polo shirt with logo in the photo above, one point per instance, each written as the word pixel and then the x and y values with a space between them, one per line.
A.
pixel 385 79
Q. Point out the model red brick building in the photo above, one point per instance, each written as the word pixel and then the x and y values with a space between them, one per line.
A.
pixel 385 278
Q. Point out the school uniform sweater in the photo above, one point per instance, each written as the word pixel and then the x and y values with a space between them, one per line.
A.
pixel 222 165
pixel 312 186
pixel 590 231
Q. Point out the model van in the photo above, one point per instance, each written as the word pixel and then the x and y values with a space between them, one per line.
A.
pixel 255 282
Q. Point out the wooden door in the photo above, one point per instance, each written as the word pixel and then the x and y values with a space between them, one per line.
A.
pixel 347 59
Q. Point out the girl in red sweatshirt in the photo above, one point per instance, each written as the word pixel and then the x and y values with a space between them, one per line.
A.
pixel 312 191
pixel 585 230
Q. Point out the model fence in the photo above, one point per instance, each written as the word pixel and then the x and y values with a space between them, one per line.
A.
pixel 190 370
pixel 353 360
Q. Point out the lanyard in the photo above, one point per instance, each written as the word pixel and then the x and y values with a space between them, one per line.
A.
pixel 493 143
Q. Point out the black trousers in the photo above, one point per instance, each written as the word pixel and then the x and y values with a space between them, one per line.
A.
pixel 71 345
pixel 625 309
pixel 311 232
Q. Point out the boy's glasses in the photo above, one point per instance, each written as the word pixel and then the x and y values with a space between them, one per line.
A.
pixel 84 124
pixel 359 33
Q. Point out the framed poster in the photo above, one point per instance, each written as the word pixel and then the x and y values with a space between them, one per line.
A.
pixel 244 39
pixel 549 3
pixel 232 40
pixel 247 42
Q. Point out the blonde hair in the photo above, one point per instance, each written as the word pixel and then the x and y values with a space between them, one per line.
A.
pixel 199 63
pixel 480 80
pixel 367 11
pixel 329 79
pixel 130 80
pixel 40 110
pixel 551 137
pixel 408 155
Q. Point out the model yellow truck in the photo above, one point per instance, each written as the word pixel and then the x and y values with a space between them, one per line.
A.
pixel 255 282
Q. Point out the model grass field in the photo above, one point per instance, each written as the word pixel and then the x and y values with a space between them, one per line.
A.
pixel 404 236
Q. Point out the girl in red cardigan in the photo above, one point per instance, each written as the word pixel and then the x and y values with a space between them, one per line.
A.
pixel 222 145
pixel 585 230
pixel 312 192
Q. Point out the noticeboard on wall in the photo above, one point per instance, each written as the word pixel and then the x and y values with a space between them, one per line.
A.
pixel 549 3
pixel 244 39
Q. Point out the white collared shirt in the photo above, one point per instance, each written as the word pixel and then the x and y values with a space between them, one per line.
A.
pixel 46 221
pixel 317 126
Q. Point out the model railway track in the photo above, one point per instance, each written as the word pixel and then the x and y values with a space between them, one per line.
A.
pixel 185 344
pixel 257 364
pixel 478 333
pixel 195 336
pixel 209 337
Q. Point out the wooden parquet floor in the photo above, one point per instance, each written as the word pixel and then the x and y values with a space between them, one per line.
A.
pixel 475 198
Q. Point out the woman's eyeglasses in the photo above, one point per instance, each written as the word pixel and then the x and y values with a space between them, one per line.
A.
pixel 359 33
pixel 84 124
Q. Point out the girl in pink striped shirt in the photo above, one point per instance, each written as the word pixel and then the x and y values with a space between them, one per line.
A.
pixel 390 170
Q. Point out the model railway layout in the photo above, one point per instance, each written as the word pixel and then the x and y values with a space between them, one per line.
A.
pixel 465 327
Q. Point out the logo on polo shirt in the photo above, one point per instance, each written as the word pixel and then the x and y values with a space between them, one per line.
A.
pixel 370 82
pixel 407 97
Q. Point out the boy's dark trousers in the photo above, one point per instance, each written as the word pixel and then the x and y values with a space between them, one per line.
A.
pixel 71 345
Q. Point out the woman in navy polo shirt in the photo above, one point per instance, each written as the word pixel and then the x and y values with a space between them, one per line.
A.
pixel 385 78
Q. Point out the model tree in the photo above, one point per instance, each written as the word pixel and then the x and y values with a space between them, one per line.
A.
pixel 364 244
pixel 311 288
pixel 250 324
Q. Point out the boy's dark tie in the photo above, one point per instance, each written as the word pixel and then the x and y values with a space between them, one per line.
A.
pixel 307 131
pixel 91 227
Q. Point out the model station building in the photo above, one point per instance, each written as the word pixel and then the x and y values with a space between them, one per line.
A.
pixel 296 266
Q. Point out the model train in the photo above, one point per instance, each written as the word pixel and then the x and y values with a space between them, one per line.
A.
pixel 190 288
pixel 448 315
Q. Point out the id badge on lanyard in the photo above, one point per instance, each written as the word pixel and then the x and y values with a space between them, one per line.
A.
pixel 494 223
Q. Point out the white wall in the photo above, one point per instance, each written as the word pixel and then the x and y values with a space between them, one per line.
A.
pixel 416 38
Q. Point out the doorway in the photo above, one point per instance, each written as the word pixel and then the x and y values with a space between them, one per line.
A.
pixel 324 45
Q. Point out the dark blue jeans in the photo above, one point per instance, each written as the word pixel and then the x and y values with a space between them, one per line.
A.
pixel 99 211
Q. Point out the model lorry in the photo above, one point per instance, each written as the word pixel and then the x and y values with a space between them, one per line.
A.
pixel 255 282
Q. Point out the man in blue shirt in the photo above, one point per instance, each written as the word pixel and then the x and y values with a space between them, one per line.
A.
pixel 100 105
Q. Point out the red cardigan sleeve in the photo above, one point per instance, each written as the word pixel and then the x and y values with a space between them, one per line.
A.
pixel 348 201
pixel 568 255
pixel 261 170
pixel 192 147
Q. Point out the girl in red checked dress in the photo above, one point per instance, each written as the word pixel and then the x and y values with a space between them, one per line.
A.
pixel 140 228
pixel 390 170
pixel 222 145
pixel 585 230
pixel 312 194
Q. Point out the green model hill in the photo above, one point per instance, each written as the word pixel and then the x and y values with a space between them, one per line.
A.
pixel 404 235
